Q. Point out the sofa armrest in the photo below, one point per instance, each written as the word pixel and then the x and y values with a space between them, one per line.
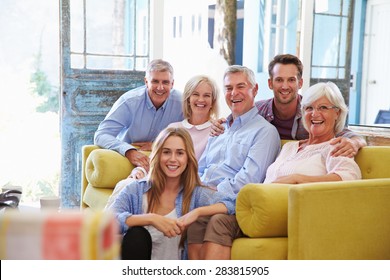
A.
pixel 101 168
pixel 85 151
pixel 105 168
pixel 261 210
pixel 340 220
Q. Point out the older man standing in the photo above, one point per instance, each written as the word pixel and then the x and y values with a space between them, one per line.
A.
pixel 139 115
pixel 239 156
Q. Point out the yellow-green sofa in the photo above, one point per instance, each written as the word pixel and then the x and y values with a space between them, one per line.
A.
pixel 335 220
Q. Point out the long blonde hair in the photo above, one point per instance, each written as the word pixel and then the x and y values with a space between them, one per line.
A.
pixel 189 179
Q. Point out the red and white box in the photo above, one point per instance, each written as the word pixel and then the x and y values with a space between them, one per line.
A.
pixel 66 235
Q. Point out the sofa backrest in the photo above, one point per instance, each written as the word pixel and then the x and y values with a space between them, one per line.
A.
pixel 374 162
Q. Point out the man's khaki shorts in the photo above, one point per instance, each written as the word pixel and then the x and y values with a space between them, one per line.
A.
pixel 221 229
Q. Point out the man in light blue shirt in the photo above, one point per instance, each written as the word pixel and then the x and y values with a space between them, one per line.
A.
pixel 139 115
pixel 239 156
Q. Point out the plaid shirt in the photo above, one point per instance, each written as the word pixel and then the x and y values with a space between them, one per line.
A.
pixel 298 131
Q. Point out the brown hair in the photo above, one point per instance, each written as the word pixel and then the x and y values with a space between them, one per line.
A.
pixel 286 59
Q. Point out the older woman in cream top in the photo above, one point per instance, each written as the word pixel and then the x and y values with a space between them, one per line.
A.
pixel 309 160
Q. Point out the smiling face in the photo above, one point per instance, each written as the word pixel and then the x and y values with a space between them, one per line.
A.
pixel 285 83
pixel 159 86
pixel 239 93
pixel 320 118
pixel 173 158
pixel 201 101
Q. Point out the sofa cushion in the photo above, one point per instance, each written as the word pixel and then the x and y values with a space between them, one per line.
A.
pixel 259 249
pixel 374 162
pixel 96 198
pixel 261 210
pixel 105 168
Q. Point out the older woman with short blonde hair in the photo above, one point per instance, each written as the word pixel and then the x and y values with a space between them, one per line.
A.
pixel 200 105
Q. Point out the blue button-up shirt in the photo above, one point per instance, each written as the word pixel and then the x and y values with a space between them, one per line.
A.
pixel 240 155
pixel 133 118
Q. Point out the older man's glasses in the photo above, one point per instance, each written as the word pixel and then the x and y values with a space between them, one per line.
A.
pixel 321 108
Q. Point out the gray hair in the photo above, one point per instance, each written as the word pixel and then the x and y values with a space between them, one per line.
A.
pixel 241 69
pixel 333 94
pixel 158 65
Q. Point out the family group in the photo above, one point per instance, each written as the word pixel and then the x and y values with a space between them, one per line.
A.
pixel 179 201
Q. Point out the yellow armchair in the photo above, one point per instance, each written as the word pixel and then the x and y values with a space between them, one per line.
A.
pixel 333 220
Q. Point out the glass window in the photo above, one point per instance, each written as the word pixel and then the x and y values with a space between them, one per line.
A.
pixel 110 35
pixel 330 47
pixel 277 30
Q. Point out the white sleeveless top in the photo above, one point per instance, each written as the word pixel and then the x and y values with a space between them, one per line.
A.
pixel 163 248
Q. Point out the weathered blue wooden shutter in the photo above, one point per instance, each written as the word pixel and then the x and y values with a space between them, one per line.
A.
pixel 90 81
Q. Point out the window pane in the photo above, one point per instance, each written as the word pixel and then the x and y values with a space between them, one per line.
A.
pixel 77 61
pixel 103 28
pixel 141 64
pixel 142 32
pixel 112 28
pixel 341 73
pixel 108 62
pixel 346 4
pixel 326 44
pixel 76 26
pixel 334 7
pixel 343 43
pixel 323 73
pixel 260 46
pixel 130 27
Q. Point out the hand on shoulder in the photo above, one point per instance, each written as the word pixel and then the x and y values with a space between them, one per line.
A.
pixel 217 128
pixel 138 159
pixel 346 147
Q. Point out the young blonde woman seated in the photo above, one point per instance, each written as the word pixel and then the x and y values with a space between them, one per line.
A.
pixel 200 105
pixel 154 213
